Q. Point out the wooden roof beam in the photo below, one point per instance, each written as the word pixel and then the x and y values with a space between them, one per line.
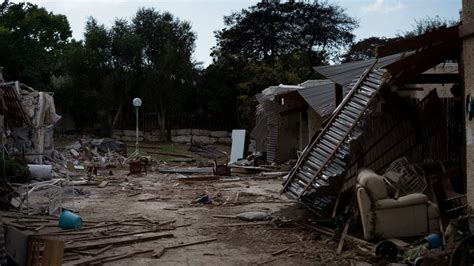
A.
pixel 431 38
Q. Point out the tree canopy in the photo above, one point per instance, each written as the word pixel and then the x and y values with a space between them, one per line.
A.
pixel 274 42
pixel 32 42
pixel 148 57
pixel 270 31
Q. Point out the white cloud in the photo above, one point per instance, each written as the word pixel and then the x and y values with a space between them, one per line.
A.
pixel 380 6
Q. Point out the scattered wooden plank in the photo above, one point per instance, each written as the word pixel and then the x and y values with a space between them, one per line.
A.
pixel 182 225
pixel 39 228
pixel 199 178
pixel 170 209
pixel 70 257
pixel 148 219
pixel 90 261
pixel 329 232
pixel 180 155
pixel 103 184
pixel 225 216
pixel 85 253
pixel 343 236
pixel 161 250
pixel 236 199
pixel 278 252
pixel 119 241
pixel 150 198
pixel 245 224
pixel 18 226
pixel 102 250
pixel 134 194
pixel 167 222
pixel 114 236
pixel 192 243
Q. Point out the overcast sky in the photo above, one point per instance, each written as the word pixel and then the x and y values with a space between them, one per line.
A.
pixel 376 17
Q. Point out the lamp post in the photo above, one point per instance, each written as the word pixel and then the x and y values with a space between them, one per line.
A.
pixel 137 102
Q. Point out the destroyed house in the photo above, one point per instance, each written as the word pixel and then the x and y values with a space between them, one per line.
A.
pixel 405 104
pixel 288 115
pixel 27 121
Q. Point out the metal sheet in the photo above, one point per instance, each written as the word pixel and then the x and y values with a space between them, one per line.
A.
pixel 238 145
pixel 343 74
pixel 322 98
pixel 320 173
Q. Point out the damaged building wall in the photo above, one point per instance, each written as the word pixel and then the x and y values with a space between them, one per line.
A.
pixel 289 127
pixel 468 69
pixel 287 117
pixel 30 117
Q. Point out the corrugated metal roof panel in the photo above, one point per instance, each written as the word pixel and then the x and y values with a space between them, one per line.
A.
pixel 343 74
pixel 320 97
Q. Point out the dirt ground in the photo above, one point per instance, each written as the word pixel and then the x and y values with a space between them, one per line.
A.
pixel 235 245
pixel 237 242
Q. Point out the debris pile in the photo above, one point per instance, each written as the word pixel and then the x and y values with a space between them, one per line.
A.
pixel 88 153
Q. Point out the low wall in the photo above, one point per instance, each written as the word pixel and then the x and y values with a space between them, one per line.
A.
pixel 188 136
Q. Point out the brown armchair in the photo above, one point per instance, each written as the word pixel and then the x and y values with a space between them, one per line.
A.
pixel 410 215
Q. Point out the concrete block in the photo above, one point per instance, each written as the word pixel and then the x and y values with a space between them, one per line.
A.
pixel 156 132
pixel 177 132
pixel 131 139
pixel 219 134
pixel 117 132
pixel 225 140
pixel 200 132
pixel 132 133
pixel 204 140
pixel 181 139
pixel 151 138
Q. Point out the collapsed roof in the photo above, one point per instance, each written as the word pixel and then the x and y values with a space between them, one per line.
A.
pixel 30 116
pixel 365 132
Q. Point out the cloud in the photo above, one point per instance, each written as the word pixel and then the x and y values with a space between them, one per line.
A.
pixel 380 6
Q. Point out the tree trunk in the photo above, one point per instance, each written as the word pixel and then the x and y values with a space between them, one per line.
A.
pixel 117 115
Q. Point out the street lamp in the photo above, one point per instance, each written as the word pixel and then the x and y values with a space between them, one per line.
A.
pixel 137 102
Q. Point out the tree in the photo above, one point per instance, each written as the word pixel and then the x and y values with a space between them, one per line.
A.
pixel 428 24
pixel 267 44
pixel 166 46
pixel 364 49
pixel 147 57
pixel 270 31
pixel 32 41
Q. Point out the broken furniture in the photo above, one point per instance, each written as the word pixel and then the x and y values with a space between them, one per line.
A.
pixel 45 194
pixel 406 178
pixel 410 215
pixel 43 251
